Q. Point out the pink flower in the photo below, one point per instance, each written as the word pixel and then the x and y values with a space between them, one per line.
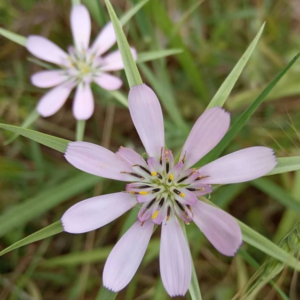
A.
pixel 166 191
pixel 79 67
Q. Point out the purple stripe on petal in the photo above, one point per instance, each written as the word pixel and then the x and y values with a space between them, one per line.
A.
pixel 108 82
pixel 96 212
pixel 174 259
pixel 81 26
pixel 98 161
pixel 219 227
pixel 54 99
pixel 147 117
pixel 105 40
pixel 83 105
pixel 207 132
pixel 239 166
pixel 49 78
pixel 46 50
pixel 125 258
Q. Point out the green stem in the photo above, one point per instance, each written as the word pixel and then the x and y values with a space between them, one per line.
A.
pixel 80 126
pixel 105 294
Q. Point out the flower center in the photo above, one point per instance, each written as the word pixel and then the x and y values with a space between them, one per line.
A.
pixel 164 187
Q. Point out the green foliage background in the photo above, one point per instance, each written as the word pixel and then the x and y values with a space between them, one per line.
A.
pixel 38 185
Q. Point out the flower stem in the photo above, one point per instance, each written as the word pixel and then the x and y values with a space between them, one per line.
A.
pixel 80 126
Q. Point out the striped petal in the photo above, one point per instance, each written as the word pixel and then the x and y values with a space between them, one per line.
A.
pixel 96 212
pixel 108 82
pixel 147 117
pixel 46 79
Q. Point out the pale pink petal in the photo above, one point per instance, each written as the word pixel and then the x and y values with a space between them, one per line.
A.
pixel 114 62
pixel 147 117
pixel 239 166
pixel 125 258
pixel 83 105
pixel 46 79
pixel 131 156
pixel 219 227
pixel 207 132
pixel 46 50
pixel 52 101
pixel 98 161
pixel 81 26
pixel 96 212
pixel 105 40
pixel 108 82
pixel 174 259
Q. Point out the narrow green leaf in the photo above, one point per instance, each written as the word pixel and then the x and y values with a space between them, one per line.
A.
pixel 42 138
pixel 238 125
pixel 277 193
pixel 19 39
pixel 80 127
pixel 286 164
pixel 120 97
pixel 148 56
pixel 130 13
pixel 258 241
pixel 105 294
pixel 194 288
pixel 227 86
pixel 44 201
pixel 44 233
pixel 29 120
pixel 131 70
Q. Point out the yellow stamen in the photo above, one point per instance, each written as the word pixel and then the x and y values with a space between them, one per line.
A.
pixel 155 215
pixel 182 195
pixel 154 173
pixel 133 193
pixel 143 193
pixel 171 176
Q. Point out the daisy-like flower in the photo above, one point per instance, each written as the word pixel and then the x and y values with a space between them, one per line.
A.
pixel 166 191
pixel 77 68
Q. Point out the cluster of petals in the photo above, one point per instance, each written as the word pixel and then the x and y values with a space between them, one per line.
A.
pixel 78 68
pixel 166 192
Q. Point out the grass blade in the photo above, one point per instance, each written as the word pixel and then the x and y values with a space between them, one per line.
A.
pixel 238 125
pixel 131 70
pixel 14 37
pixel 42 138
pixel 105 294
pixel 130 13
pixel 194 288
pixel 227 86
pixel 286 164
pixel 44 233
pixel 148 56
pixel 44 201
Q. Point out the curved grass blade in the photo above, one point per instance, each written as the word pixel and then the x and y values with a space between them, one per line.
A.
pixel 238 125
pixel 42 138
pixel 44 201
pixel 29 121
pixel 44 233
pixel 148 56
pixel 105 294
pixel 277 193
pixel 258 241
pixel 130 13
pixel 131 70
pixel 286 164
pixel 14 37
pixel 227 86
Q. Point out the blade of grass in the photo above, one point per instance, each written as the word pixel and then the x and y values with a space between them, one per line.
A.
pixel 42 138
pixel 29 121
pixel 130 13
pixel 105 294
pixel 44 201
pixel 148 56
pixel 241 121
pixel 44 233
pixel 14 37
pixel 261 243
pixel 286 164
pixel 131 70
pixel 80 127
pixel 227 86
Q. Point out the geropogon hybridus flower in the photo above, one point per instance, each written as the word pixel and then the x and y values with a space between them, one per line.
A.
pixel 77 68
pixel 166 191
